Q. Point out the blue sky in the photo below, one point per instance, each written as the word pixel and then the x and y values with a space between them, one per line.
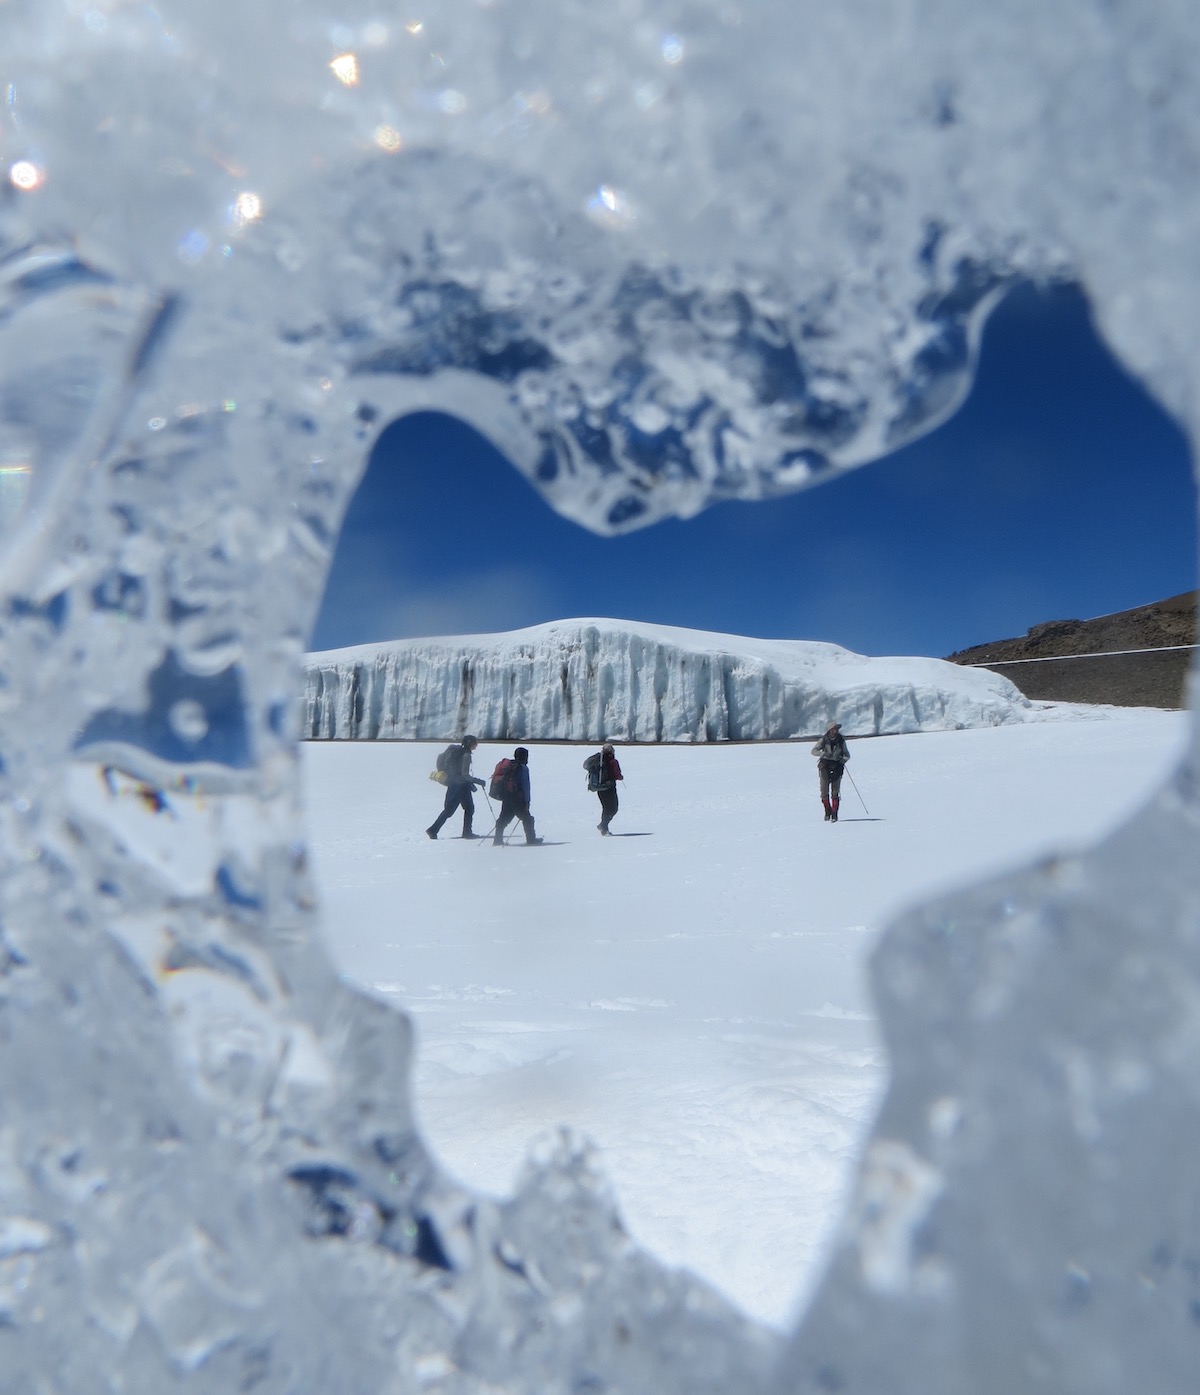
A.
pixel 1058 491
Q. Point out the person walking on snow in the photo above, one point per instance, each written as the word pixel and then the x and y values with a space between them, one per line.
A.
pixel 460 785
pixel 832 754
pixel 603 773
pixel 514 801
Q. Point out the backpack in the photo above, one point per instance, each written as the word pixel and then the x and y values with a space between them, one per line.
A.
pixel 505 779
pixel 593 766
pixel 449 764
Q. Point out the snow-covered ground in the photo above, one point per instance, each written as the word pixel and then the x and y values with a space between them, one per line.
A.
pixel 691 994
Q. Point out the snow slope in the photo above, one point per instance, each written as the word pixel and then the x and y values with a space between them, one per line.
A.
pixel 584 680
pixel 691 994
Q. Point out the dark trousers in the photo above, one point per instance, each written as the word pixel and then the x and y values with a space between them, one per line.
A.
pixel 514 809
pixel 830 772
pixel 609 804
pixel 458 792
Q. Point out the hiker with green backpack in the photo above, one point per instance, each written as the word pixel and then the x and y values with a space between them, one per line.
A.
pixel 454 771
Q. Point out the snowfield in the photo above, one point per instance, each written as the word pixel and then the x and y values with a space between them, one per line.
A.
pixel 690 994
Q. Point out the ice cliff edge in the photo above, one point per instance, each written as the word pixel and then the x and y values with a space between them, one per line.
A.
pixel 588 680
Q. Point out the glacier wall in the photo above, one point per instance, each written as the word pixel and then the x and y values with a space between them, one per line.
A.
pixel 662 252
pixel 598 680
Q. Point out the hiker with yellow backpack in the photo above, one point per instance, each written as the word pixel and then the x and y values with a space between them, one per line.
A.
pixel 454 771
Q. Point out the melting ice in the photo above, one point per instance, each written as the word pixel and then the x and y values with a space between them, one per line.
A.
pixel 661 255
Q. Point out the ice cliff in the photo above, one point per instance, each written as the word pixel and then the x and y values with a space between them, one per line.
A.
pixel 662 253
pixel 590 680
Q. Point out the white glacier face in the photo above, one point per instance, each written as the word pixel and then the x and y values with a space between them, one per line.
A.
pixel 662 253
pixel 605 680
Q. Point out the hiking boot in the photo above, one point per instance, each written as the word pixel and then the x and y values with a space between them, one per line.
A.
pixel 431 833
pixel 531 841
pixel 497 841
pixel 468 834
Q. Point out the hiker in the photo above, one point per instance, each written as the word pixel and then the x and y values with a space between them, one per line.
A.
pixel 832 754
pixel 603 774
pixel 511 783
pixel 455 762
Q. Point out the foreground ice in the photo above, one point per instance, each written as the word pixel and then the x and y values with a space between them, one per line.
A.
pixel 662 254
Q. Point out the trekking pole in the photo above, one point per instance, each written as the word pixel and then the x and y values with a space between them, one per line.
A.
pixel 861 800
pixel 495 818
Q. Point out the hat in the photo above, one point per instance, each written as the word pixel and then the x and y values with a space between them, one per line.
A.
pixel 834 726
pixel 521 754
pixel 607 746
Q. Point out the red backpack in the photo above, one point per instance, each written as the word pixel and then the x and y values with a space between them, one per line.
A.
pixel 504 779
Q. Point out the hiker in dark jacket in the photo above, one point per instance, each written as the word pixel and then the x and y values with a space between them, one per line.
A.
pixel 514 802
pixel 832 754
pixel 607 772
pixel 460 786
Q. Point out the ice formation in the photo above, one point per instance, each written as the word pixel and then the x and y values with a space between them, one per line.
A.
pixel 662 253
pixel 593 680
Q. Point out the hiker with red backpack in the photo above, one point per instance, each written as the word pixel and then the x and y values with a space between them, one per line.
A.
pixel 603 773
pixel 454 766
pixel 510 785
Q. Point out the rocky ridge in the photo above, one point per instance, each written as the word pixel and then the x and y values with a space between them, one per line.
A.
pixel 1122 676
